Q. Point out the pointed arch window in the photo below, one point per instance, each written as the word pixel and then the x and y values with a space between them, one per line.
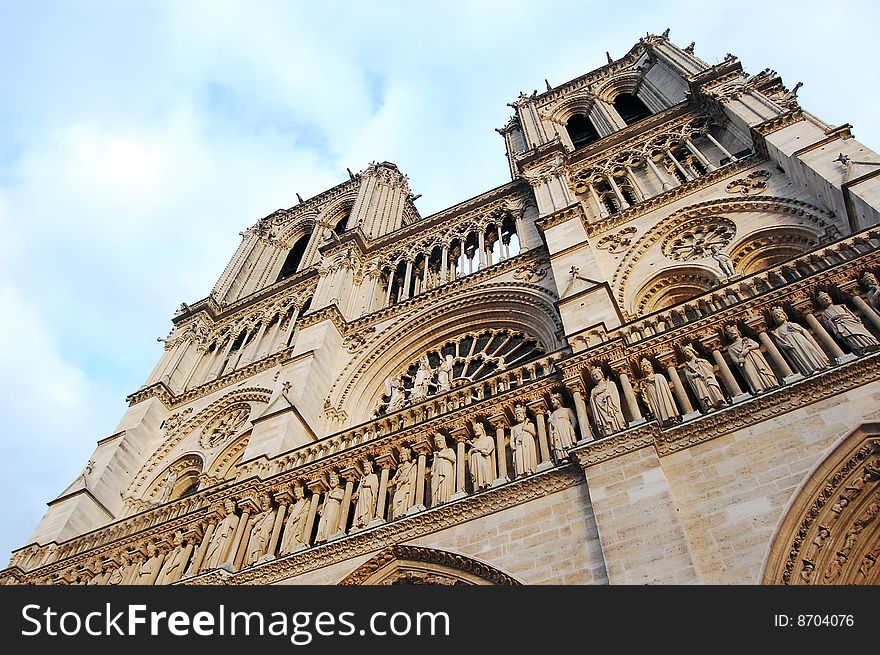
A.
pixel 630 108
pixel 294 257
pixel 581 131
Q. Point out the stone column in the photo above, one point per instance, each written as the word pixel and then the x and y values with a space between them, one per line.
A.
pixel 196 564
pixel 720 147
pixel 253 349
pixel 667 359
pixel 460 435
pixel 426 262
pixel 699 155
pixel 664 182
pixel 350 474
pixel 481 241
pixel 499 422
pixel 578 393
pixel 444 264
pixel 678 165
pixel 617 192
pixel 600 206
pixel 829 345
pixel 713 342
pixel 521 232
pixel 384 459
pixel 539 409
pixel 237 548
pixel 423 448
pixel 865 310
pixel 388 288
pixel 218 369
pixel 407 280
pixel 316 487
pixel 788 375
pixel 282 498
pixel 622 369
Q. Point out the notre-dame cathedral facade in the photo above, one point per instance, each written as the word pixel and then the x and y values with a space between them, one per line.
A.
pixel 650 357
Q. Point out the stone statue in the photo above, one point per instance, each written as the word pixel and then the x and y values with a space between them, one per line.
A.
pixel 175 561
pixel 215 554
pixel 394 390
pixel 261 532
pixel 797 344
pixel 365 497
pixel 480 464
pixel 656 394
pixel 120 573
pixel 846 326
pixel 522 441
pixel 148 571
pixel 167 486
pixel 746 354
pixel 725 263
pixel 442 472
pixel 419 389
pixel 561 423
pixel 329 523
pixel 817 543
pixel 295 527
pixel 404 482
pixel 605 404
pixel 444 374
pixel 873 293
pixel 700 375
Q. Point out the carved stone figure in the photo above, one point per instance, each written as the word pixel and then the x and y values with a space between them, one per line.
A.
pixel 701 377
pixel 442 472
pixel 746 354
pixel 404 482
pixel 797 344
pixel 295 526
pixel 120 573
pixel 846 326
pixel 656 394
pixel 725 263
pixel 365 496
pixel 329 523
pixel 176 561
pixel 148 571
pixel 561 423
pixel 522 441
pixel 605 404
pixel 167 487
pixel 480 464
pixel 873 293
pixel 444 374
pixel 216 554
pixel 394 389
pixel 817 543
pixel 261 531
pixel 419 390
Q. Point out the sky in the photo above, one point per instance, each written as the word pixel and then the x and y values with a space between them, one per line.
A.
pixel 137 139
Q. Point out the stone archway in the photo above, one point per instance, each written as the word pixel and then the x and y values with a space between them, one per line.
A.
pixel 831 531
pixel 425 566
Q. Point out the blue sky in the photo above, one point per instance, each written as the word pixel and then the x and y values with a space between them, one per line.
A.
pixel 137 139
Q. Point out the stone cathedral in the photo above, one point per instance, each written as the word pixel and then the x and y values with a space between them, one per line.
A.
pixel 651 357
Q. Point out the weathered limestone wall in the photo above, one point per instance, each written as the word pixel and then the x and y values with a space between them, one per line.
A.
pixel 551 540
pixel 642 539
pixel 732 492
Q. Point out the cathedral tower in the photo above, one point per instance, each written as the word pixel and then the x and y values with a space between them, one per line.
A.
pixel 649 357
